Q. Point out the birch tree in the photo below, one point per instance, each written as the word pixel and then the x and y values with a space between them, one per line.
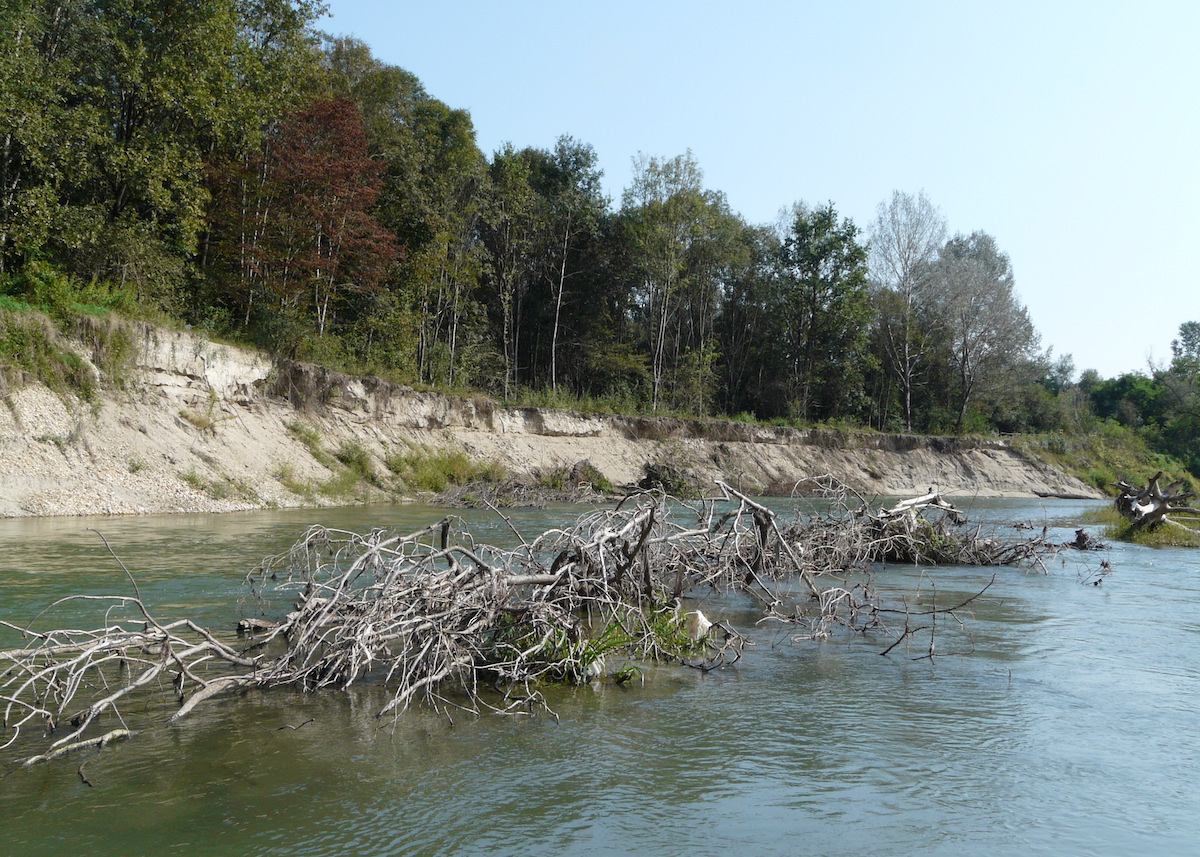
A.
pixel 509 232
pixel 905 238
pixel 572 203
pixel 679 236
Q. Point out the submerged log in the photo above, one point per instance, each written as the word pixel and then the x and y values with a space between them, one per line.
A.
pixel 254 625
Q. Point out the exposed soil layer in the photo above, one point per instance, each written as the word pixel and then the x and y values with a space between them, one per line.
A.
pixel 198 426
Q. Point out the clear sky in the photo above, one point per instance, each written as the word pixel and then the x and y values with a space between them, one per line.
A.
pixel 1070 131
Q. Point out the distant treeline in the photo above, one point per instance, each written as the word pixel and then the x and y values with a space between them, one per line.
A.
pixel 223 164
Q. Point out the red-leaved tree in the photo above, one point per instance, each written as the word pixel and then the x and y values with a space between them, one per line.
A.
pixel 295 220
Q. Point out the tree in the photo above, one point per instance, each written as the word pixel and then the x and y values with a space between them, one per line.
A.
pixel 1131 399
pixel 331 185
pixel 573 202
pixel 1180 383
pixel 510 228
pixel 745 327
pixel 112 115
pixel 433 201
pixel 905 239
pixel 821 313
pixel 440 228
pixel 607 357
pixel 37 128
pixel 156 79
pixel 303 235
pixel 660 210
pixel 988 328
pixel 392 334
pixel 680 238
pixel 1185 351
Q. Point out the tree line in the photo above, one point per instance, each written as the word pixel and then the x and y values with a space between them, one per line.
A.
pixel 226 165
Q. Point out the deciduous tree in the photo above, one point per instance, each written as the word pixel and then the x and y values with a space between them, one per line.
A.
pixel 510 232
pixel 680 237
pixel 572 203
pixel 905 238
pixel 821 313
pixel 989 330
pixel 300 221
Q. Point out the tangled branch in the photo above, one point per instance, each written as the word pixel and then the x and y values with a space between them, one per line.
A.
pixel 434 616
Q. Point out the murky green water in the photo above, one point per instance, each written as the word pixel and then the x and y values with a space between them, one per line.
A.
pixel 1065 725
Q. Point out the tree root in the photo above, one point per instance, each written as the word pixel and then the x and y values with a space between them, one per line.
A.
pixel 1147 506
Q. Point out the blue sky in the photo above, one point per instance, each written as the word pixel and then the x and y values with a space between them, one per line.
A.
pixel 1070 131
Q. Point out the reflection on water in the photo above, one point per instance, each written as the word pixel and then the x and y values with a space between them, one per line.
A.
pixel 1065 726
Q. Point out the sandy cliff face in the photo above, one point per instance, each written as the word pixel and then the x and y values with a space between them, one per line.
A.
pixel 206 427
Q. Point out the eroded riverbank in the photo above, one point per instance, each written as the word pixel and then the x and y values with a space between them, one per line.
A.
pixel 197 426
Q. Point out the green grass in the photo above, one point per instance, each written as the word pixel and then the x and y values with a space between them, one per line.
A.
pixel 419 468
pixel 222 488
pixel 111 343
pixel 11 304
pixel 40 309
pixel 1108 453
pixel 351 466
pixel 206 420
pixel 344 485
pixel 61 441
pixel 354 456
pixel 1116 527
pixel 311 438
pixel 192 478
pixel 563 478
pixel 43 288
pixel 286 474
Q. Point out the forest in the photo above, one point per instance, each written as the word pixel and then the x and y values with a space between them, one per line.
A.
pixel 225 165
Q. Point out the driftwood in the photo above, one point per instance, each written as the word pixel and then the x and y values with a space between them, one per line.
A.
pixel 1146 507
pixel 434 616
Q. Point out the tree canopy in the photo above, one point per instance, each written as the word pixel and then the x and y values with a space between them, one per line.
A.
pixel 226 165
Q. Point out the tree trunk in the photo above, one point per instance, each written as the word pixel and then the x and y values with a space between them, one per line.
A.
pixel 562 281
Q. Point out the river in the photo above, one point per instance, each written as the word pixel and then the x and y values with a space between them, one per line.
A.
pixel 1062 723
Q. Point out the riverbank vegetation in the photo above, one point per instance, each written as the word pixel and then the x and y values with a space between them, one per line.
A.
pixel 439 618
pixel 226 166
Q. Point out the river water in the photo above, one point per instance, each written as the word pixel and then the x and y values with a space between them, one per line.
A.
pixel 1062 722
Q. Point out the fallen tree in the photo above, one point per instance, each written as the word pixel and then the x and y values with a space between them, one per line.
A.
pixel 434 616
pixel 1147 507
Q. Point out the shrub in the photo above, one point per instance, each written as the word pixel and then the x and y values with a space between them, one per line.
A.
pixel 357 460
pixel 423 469
pixel 31 348
pixel 311 438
